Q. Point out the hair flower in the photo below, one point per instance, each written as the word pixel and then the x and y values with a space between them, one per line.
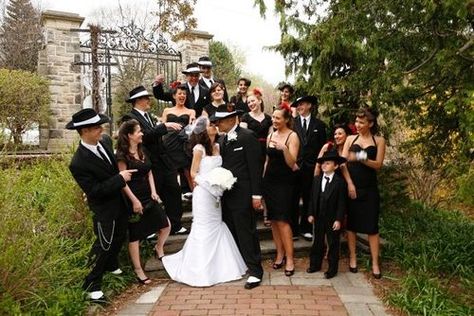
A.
pixel 174 84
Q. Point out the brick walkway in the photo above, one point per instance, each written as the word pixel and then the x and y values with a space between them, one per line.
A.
pixel 301 294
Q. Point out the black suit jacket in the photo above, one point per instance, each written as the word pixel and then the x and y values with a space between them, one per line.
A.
pixel 100 181
pixel 311 141
pixel 203 99
pixel 203 83
pixel 153 142
pixel 329 205
pixel 242 156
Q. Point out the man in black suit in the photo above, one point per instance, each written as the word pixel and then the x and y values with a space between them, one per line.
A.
pixel 312 134
pixel 240 152
pixel 94 168
pixel 164 172
pixel 197 96
pixel 327 207
pixel 207 78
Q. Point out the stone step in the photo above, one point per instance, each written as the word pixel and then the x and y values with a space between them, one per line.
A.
pixel 301 249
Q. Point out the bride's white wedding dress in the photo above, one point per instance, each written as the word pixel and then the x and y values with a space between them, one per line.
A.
pixel 210 254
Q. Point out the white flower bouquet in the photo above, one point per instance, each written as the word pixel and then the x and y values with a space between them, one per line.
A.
pixel 217 181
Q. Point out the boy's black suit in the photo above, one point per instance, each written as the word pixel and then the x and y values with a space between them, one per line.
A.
pixel 164 173
pixel 197 106
pixel 327 207
pixel 242 157
pixel 311 142
pixel 102 184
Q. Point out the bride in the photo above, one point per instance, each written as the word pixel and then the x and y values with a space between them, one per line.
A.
pixel 210 254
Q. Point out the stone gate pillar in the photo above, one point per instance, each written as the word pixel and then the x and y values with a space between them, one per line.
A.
pixel 192 49
pixel 56 63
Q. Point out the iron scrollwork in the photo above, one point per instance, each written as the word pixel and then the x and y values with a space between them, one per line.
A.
pixel 131 38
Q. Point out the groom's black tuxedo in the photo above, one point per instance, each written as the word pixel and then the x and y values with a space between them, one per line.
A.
pixel 242 157
pixel 102 184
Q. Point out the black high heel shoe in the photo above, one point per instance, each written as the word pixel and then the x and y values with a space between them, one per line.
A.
pixel 289 273
pixel 277 266
pixel 353 270
pixel 157 256
pixel 144 281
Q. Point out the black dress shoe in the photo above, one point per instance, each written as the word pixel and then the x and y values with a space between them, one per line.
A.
pixel 353 270
pixel 251 285
pixel 312 270
pixel 329 275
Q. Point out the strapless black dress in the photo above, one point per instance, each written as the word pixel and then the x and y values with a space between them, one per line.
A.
pixel 363 212
pixel 176 143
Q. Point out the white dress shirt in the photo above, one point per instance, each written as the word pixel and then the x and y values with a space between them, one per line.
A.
pixel 324 182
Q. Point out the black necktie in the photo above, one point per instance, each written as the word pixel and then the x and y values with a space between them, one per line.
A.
pixel 326 184
pixel 103 155
pixel 193 91
pixel 211 81
pixel 305 126
pixel 147 116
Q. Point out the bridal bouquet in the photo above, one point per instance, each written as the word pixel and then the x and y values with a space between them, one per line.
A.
pixel 217 181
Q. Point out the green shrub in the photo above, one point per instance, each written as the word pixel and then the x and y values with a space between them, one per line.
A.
pixel 465 193
pixel 45 236
pixel 434 247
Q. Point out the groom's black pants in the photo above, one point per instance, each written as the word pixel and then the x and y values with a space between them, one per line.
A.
pixel 242 224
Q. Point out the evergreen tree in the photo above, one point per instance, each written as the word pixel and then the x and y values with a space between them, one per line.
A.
pixel 20 36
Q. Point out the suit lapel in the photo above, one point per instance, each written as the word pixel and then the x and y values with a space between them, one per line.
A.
pixel 98 162
pixel 329 188
pixel 300 130
pixel 140 118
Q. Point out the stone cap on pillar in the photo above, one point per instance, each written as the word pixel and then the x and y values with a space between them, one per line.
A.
pixel 61 16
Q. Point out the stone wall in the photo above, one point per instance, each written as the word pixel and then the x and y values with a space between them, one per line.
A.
pixel 193 48
pixel 56 62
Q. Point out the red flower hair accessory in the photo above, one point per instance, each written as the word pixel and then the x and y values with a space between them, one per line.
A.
pixel 174 84
pixel 257 91
pixel 352 128
pixel 286 106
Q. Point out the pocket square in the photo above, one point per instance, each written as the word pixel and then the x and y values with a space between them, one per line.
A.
pixel 238 148
pixel 315 131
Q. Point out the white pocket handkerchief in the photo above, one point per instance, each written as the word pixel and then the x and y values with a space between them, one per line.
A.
pixel 315 131
pixel 238 148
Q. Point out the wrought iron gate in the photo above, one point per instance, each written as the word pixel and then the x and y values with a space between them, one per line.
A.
pixel 129 46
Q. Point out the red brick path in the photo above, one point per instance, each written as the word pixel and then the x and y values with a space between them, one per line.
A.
pixel 178 299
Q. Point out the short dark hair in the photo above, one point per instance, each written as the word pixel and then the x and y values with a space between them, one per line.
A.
pixel 248 82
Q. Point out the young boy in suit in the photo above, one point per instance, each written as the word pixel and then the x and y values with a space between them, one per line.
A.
pixel 326 211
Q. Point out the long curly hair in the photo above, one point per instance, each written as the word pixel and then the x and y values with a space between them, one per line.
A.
pixel 123 142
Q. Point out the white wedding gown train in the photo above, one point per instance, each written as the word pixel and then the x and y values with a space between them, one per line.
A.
pixel 210 254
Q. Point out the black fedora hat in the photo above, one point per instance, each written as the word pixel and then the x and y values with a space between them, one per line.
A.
pixel 307 98
pixel 136 93
pixel 87 118
pixel 331 155
pixel 205 61
pixel 283 85
pixel 192 68
pixel 224 111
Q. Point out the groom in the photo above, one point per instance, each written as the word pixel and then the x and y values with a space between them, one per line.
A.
pixel 240 152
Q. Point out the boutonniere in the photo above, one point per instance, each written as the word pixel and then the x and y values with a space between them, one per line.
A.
pixel 231 137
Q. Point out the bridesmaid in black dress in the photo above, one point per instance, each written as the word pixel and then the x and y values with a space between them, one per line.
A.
pixel 278 185
pixel 365 153
pixel 149 217
pixel 175 141
pixel 256 120
pixel 216 93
